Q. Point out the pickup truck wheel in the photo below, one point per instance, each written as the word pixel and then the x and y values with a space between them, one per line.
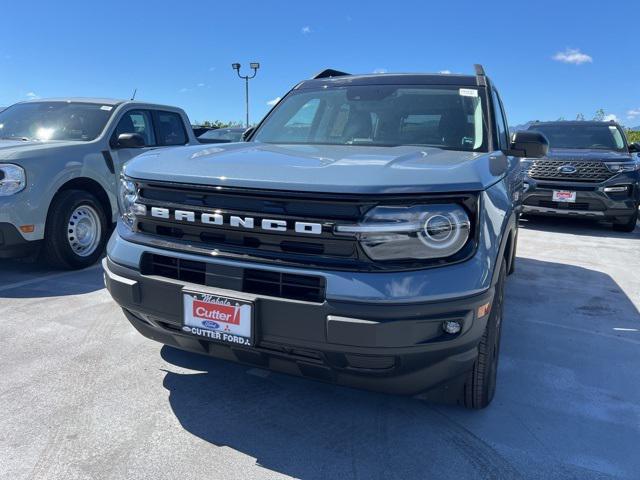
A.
pixel 627 226
pixel 480 384
pixel 76 230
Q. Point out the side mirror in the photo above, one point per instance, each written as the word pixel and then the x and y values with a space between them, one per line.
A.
pixel 130 140
pixel 634 147
pixel 529 144
pixel 247 133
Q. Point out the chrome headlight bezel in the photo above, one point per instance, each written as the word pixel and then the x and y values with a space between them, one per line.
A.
pixel 430 232
pixel 128 192
pixel 622 167
pixel 13 179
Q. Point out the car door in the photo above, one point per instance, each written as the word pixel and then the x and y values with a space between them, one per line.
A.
pixel 138 121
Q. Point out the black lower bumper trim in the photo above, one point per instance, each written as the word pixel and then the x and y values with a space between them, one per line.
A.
pixel 396 349
pixel 13 244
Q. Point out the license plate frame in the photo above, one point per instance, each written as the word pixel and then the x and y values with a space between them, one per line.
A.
pixel 229 320
pixel 564 196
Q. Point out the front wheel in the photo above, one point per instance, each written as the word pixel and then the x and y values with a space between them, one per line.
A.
pixel 76 230
pixel 480 384
pixel 627 225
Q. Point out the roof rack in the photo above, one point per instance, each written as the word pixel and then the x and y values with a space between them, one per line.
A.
pixel 328 73
pixel 481 77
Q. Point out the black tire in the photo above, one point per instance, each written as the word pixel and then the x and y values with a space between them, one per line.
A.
pixel 58 251
pixel 480 384
pixel 627 225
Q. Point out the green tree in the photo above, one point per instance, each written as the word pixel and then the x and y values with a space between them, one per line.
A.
pixel 580 117
pixel 599 116
pixel 219 124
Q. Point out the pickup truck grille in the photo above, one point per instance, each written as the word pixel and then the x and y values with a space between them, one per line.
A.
pixel 586 171
pixel 322 249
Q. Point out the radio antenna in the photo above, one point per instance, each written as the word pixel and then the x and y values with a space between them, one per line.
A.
pixel 133 97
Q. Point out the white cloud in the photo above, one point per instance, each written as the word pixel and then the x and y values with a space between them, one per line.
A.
pixel 380 70
pixel 201 85
pixel 306 30
pixel 573 55
pixel 610 117
pixel 633 113
pixel 211 69
pixel 32 95
pixel 446 72
pixel 184 89
pixel 271 103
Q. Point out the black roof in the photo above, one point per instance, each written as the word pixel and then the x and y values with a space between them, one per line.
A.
pixel 393 79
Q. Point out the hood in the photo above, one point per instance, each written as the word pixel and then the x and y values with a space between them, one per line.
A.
pixel 16 149
pixel 321 168
pixel 570 154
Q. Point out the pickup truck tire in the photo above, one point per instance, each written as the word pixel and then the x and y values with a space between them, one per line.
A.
pixel 627 226
pixel 480 384
pixel 76 230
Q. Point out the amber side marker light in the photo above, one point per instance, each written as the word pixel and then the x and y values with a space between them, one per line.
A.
pixel 484 310
pixel 27 228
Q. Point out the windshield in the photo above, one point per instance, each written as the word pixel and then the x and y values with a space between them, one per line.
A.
pixel 379 115
pixel 223 135
pixel 54 121
pixel 602 137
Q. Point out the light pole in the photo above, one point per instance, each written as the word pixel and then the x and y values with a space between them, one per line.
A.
pixel 255 66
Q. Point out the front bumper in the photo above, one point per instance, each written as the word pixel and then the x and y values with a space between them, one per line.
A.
pixel 12 242
pixel 592 200
pixel 395 348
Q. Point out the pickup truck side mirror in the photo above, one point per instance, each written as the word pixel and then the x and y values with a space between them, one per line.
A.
pixel 247 133
pixel 634 147
pixel 129 140
pixel 529 144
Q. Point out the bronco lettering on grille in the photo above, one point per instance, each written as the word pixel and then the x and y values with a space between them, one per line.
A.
pixel 236 221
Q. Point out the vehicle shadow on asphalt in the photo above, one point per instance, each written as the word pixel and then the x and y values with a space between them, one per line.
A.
pixel 551 386
pixel 34 280
pixel 576 226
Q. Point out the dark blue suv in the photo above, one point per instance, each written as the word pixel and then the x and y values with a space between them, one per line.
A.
pixel 361 235
pixel 590 171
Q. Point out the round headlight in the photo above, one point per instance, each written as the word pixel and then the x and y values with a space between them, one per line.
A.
pixel 412 233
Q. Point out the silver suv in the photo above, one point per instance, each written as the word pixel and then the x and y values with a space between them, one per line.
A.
pixel 59 164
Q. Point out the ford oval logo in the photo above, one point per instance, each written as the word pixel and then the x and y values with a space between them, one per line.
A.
pixel 211 325
pixel 567 169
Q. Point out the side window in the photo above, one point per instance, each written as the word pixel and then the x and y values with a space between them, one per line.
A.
pixel 137 121
pixel 170 129
pixel 503 135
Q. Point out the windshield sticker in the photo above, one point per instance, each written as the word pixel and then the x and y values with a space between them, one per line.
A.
pixel 468 92
pixel 106 107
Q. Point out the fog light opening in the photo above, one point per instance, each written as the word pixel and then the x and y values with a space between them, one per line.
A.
pixel 621 188
pixel 27 228
pixel 451 326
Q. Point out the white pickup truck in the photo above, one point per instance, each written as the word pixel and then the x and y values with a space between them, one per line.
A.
pixel 59 165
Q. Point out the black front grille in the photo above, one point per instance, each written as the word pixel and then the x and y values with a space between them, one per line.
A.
pixel 586 171
pixel 308 288
pixel 323 249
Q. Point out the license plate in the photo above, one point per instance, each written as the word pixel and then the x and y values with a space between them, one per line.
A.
pixel 564 196
pixel 218 318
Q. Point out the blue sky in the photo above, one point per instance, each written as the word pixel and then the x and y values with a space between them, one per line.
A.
pixel 549 59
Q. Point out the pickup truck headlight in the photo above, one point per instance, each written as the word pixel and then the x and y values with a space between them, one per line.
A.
pixel 127 201
pixel 416 232
pixel 12 179
pixel 619 167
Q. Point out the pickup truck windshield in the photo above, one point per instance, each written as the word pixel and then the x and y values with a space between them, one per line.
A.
pixel 601 137
pixel 379 115
pixel 54 121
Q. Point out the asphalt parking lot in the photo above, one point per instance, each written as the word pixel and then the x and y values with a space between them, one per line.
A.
pixel 84 396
